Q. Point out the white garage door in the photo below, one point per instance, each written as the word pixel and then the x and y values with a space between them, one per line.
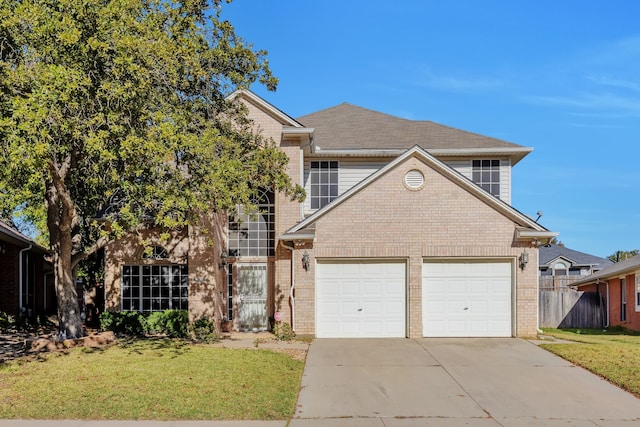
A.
pixel 360 299
pixel 470 299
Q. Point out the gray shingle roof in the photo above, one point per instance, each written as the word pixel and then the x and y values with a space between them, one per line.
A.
pixel 13 236
pixel 550 252
pixel 629 265
pixel 368 129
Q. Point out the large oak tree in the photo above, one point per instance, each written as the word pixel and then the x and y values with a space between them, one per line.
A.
pixel 114 116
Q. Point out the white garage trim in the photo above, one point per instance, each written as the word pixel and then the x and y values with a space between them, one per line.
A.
pixel 361 298
pixel 469 298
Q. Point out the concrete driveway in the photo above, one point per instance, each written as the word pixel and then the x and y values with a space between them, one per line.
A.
pixel 453 382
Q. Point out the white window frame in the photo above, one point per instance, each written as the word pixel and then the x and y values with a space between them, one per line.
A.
pixel 317 197
pixel 623 299
pixel 637 280
pixel 252 234
pixel 483 175
pixel 152 287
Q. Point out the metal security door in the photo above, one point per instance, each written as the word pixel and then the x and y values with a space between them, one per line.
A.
pixel 252 297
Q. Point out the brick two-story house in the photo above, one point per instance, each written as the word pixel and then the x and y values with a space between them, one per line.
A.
pixel 407 231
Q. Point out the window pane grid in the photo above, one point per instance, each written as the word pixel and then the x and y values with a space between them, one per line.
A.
pixel 154 288
pixel 323 183
pixel 486 173
pixel 230 292
pixel 253 234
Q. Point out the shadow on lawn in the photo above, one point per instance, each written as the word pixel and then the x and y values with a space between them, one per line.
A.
pixel 176 347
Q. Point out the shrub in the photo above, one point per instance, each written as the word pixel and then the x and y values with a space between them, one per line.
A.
pixel 174 323
pixel 204 330
pixel 7 322
pixel 283 331
pixel 155 323
pixel 123 322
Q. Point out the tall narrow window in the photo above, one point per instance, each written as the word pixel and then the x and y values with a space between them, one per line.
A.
pixel 623 300
pixel 252 234
pixel 230 292
pixel 637 290
pixel 324 183
pixel 486 173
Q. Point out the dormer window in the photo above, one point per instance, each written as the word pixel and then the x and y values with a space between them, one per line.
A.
pixel 486 173
pixel 324 183
pixel 560 269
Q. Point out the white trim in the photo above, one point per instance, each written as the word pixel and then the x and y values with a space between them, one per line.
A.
pixel 534 230
pixel 637 290
pixel 266 107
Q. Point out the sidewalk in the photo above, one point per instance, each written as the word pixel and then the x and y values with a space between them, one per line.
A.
pixel 145 423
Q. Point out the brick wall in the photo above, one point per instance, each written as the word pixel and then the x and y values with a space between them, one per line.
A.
pixel 440 221
pixel 9 289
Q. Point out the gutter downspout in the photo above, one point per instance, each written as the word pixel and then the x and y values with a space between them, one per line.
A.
pixel 292 288
pixel 20 278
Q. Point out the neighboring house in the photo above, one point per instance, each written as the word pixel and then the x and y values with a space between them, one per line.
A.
pixel 26 282
pixel 560 266
pixel 407 231
pixel 618 285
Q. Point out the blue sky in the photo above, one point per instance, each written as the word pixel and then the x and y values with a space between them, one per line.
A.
pixel 562 77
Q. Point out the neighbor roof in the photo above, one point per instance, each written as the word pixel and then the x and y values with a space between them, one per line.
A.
pixel 551 252
pixel 349 127
pixel 629 265
pixel 10 235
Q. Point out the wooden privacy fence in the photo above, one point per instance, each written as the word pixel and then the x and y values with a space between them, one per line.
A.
pixel 569 308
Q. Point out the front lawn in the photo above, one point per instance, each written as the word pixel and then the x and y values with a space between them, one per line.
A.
pixel 152 379
pixel 612 354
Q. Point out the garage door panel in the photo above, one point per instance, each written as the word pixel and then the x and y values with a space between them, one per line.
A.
pixel 370 298
pixel 467 299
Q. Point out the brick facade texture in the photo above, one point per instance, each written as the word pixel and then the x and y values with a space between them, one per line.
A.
pixel 385 220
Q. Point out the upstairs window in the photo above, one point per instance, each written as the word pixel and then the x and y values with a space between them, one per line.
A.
pixel 560 269
pixel 252 234
pixel 324 183
pixel 486 173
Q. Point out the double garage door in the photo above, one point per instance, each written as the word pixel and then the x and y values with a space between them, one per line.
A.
pixel 357 299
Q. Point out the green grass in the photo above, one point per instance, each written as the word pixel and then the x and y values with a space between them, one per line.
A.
pixel 155 380
pixel 613 354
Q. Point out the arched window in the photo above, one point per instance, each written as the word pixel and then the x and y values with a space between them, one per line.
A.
pixel 560 269
pixel 252 233
pixel 155 252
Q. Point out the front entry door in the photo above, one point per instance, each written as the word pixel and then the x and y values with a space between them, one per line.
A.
pixel 252 297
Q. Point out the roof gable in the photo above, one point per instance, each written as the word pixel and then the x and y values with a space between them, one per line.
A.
pixel 551 252
pixel 266 107
pixel 506 210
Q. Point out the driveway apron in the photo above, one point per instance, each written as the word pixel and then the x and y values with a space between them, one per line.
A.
pixel 453 382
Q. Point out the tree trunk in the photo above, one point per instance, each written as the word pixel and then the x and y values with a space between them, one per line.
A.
pixel 70 320
pixel 59 223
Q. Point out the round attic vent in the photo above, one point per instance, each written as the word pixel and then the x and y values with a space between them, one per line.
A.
pixel 414 179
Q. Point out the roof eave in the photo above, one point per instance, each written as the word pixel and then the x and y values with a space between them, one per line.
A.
pixel 541 236
pixel 284 118
pixel 515 154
